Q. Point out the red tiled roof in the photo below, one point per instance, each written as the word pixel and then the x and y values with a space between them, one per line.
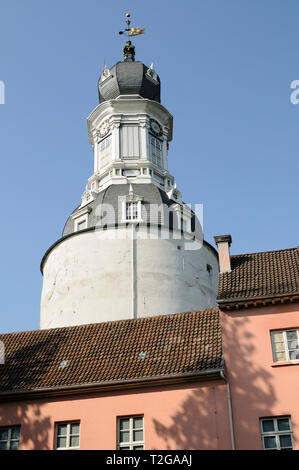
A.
pixel 264 274
pixel 108 352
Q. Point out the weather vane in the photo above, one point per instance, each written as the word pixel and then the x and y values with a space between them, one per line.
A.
pixel 131 31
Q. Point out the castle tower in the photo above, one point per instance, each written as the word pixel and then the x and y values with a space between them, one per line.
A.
pixel 132 248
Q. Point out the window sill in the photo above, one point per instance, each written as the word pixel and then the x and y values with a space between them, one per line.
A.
pixel 286 363
pixel 132 221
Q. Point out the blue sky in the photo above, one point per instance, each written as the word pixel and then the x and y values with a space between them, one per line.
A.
pixel 226 69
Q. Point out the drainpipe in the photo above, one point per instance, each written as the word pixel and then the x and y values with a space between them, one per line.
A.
pixel 230 412
pixel 134 273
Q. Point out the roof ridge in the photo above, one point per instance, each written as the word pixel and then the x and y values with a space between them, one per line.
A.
pixel 125 320
pixel 262 252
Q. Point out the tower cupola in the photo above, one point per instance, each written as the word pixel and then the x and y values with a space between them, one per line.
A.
pixel 130 249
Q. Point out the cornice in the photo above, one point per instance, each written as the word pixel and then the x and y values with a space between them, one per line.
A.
pixel 111 386
pixel 140 106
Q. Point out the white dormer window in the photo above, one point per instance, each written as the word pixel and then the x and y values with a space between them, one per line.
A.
pixel 131 207
pixel 132 211
pixel 80 224
pixel 81 219
pixel 182 217
pixel 105 74
pixel 156 151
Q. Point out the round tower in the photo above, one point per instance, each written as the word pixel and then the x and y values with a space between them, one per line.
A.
pixel 132 248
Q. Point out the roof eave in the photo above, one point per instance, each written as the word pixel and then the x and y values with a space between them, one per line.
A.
pixel 137 383
pixel 259 301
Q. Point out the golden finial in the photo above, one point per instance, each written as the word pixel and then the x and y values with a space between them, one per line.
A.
pixel 131 31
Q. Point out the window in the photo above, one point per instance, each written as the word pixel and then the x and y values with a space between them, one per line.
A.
pixel 132 211
pixel 277 433
pixel 130 433
pixel 285 344
pixel 81 225
pixel 103 144
pixel 104 147
pixel 67 436
pixel 156 151
pixel 10 438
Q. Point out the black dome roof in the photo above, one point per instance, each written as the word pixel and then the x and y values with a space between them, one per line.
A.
pixel 129 78
pixel 107 204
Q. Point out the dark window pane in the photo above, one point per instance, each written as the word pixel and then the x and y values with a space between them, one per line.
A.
pixel 283 424
pixel 292 334
pixel 138 423
pixel 293 344
pixel 61 429
pixel 3 445
pixel 75 428
pixel 138 435
pixel 268 425
pixel 124 424
pixel 124 436
pixel 294 355
pixel 15 433
pixel 270 442
pixel 14 445
pixel 74 441
pixel 3 434
pixel 285 441
pixel 138 447
pixel 61 442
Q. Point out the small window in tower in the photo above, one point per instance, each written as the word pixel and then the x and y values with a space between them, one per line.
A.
pixel 81 225
pixel 104 147
pixel 156 151
pixel 105 143
pixel 132 211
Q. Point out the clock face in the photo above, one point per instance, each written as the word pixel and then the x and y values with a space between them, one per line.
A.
pixel 156 128
pixel 104 129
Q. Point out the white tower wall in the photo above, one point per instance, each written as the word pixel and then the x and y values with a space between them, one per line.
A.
pixel 91 278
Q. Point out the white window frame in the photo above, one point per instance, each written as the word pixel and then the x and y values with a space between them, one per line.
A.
pixel 9 439
pixel 276 433
pixel 80 221
pixel 131 444
pixel 286 346
pixel 105 143
pixel 124 212
pixel 157 160
pixel 68 435
pixel 81 216
pixel 182 213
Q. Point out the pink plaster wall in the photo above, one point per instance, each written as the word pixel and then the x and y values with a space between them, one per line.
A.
pixel 259 388
pixel 192 416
